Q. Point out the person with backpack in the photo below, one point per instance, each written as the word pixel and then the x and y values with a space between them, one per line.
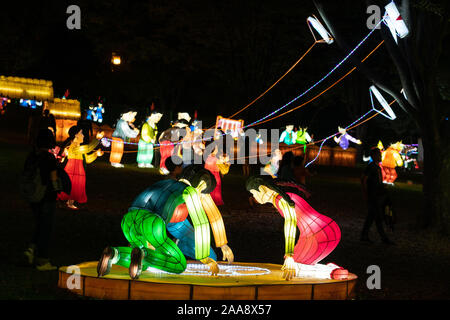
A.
pixel 39 186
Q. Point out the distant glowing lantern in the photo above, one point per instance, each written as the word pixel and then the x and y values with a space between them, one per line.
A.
pixel 116 59
pixel 395 22
pixel 390 114
pixel 315 23
pixel 231 126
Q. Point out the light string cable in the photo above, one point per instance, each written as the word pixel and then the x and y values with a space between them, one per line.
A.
pixel 350 126
pixel 322 79
pixel 276 82
pixel 293 100
pixel 321 93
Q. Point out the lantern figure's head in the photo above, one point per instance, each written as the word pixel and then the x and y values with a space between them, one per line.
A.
pixel 155 117
pixel 129 116
pixel 398 146
pixel 184 115
pixel 289 128
pixel 76 134
pixel 199 178
pixel 265 190
pixel 342 130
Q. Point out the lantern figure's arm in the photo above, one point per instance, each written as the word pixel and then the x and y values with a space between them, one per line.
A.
pixel 349 137
pixel 336 139
pixel 145 133
pixel 90 157
pixel 86 148
pixel 290 226
pixel 283 135
pixel 398 159
pixel 215 219
pixel 223 167
pixel 199 221
pixel 217 226
pixel 307 137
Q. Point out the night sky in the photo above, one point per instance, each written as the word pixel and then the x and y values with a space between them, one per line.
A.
pixel 209 56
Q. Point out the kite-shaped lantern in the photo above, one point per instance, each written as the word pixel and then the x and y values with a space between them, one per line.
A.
pixel 315 23
pixel 395 22
pixel 390 114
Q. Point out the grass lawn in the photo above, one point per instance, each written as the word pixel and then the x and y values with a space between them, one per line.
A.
pixel 415 268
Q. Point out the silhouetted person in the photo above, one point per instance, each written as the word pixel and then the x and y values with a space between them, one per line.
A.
pixel 48 121
pixel 43 210
pixel 286 171
pixel 300 172
pixel 86 128
pixel 375 195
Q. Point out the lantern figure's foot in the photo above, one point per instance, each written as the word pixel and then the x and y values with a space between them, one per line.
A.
pixel 105 262
pixel 136 263
pixel 117 165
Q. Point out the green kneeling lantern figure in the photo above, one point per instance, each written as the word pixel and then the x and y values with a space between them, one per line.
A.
pixel 163 207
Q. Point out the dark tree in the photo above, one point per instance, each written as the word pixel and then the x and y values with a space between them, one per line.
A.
pixel 417 59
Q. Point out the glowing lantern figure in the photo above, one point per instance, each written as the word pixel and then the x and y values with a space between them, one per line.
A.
pixel 391 158
pixel 169 139
pixel 271 168
pixel 217 165
pixel 288 136
pixel 319 235
pixel 90 113
pixel 315 23
pixel 124 130
pixel 234 127
pixel 165 206
pixel 344 139
pixel 74 168
pixel 99 111
pixel 302 137
pixel 149 133
pixel 115 59
pixel 395 22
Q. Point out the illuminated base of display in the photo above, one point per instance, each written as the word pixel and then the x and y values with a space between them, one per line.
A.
pixel 238 281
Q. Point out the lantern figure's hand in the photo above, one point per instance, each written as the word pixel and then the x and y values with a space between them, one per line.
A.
pixel 227 253
pixel 100 135
pixel 213 267
pixel 289 267
pixel 99 153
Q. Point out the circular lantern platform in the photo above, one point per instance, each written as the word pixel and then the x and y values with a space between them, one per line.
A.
pixel 236 281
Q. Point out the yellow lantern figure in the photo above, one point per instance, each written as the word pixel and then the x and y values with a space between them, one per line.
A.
pixel 192 174
pixel 391 158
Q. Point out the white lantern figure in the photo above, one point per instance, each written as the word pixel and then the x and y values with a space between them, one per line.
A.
pixel 315 23
pixel 395 22
pixel 390 113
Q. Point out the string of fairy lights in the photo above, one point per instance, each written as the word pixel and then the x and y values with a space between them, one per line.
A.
pixel 291 101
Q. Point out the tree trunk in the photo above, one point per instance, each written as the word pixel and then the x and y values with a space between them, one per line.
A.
pixel 424 106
